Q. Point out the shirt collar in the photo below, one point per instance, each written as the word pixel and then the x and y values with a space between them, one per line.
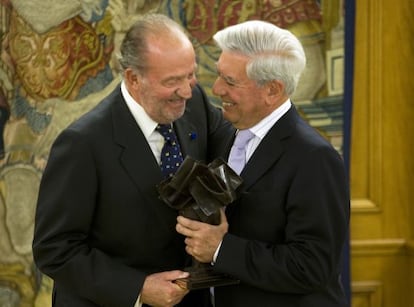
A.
pixel 262 128
pixel 143 120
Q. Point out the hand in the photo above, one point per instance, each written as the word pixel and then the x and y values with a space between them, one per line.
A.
pixel 159 289
pixel 202 239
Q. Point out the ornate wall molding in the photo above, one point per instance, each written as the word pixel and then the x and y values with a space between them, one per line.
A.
pixel 367 293
pixel 379 247
pixel 366 177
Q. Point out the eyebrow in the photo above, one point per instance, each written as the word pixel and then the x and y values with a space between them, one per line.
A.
pixel 226 78
pixel 180 77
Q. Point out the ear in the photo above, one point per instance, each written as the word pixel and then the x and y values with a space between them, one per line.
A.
pixel 274 91
pixel 131 78
pixel 276 87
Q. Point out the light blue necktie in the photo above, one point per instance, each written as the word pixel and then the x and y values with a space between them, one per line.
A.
pixel 237 157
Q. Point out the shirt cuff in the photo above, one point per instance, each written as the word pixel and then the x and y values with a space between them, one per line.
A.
pixel 138 303
pixel 216 253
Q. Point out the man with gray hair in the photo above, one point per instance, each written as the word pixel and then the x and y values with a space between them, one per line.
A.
pixel 101 232
pixel 283 237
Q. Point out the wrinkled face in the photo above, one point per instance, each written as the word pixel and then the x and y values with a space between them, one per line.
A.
pixel 243 101
pixel 168 80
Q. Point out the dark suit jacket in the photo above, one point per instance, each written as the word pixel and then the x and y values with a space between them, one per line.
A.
pixel 287 229
pixel 100 227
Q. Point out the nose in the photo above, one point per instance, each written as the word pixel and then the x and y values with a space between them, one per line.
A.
pixel 217 89
pixel 185 91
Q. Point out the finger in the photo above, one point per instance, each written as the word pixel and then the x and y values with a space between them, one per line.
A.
pixel 192 252
pixel 183 230
pixel 183 221
pixel 181 285
pixel 188 249
pixel 223 216
pixel 187 241
pixel 176 274
pixel 189 223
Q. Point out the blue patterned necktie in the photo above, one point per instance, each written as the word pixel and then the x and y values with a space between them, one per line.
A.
pixel 237 157
pixel 171 157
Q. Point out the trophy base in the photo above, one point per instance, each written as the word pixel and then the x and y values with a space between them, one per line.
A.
pixel 205 278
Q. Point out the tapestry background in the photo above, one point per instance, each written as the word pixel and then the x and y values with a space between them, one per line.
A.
pixel 58 61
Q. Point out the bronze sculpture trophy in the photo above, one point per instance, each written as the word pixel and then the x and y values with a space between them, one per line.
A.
pixel 198 191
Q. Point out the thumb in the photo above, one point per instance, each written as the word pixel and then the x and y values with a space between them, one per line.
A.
pixel 176 274
pixel 223 216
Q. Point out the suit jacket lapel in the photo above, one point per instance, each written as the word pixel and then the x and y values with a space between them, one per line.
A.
pixel 269 150
pixel 137 157
pixel 187 137
pixel 146 173
pixel 139 162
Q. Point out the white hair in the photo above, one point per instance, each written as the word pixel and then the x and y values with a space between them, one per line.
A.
pixel 276 54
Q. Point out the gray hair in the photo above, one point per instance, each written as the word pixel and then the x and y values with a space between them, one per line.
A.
pixel 276 54
pixel 134 47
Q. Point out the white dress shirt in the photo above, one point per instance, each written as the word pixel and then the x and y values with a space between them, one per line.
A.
pixel 147 125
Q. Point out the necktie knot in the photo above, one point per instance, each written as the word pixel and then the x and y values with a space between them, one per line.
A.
pixel 171 157
pixel 242 138
pixel 167 132
pixel 237 158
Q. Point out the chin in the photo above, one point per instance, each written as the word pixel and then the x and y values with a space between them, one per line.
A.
pixel 176 115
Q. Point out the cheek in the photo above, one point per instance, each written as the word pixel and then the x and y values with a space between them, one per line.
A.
pixel 246 99
pixel 162 93
pixel 250 106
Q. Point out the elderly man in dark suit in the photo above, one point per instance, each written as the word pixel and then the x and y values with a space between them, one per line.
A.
pixel 283 237
pixel 101 231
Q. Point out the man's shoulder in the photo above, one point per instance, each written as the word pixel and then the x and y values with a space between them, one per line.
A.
pixel 100 114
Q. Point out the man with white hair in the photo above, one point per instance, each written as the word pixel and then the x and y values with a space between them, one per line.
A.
pixel 283 237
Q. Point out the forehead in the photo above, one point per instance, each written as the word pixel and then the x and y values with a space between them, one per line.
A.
pixel 175 60
pixel 233 64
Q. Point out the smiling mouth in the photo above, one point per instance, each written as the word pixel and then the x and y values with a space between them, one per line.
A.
pixel 227 104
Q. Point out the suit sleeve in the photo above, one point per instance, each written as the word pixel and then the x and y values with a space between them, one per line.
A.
pixel 317 210
pixel 64 214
